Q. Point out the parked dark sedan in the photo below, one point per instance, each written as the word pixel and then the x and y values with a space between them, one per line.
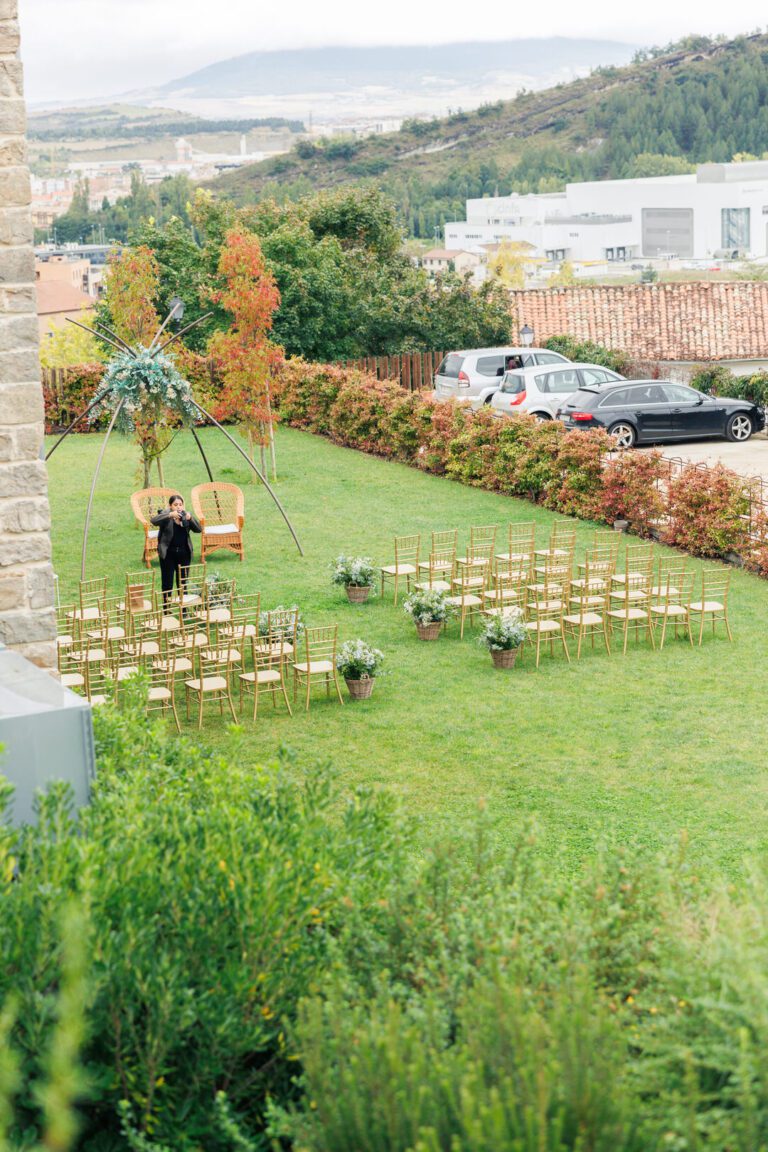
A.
pixel 649 411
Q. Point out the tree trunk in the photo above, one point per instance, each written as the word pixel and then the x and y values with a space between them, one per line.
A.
pixel 251 452
pixel 160 469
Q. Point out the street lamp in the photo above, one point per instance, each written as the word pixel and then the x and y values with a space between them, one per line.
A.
pixel 177 308
pixel 526 335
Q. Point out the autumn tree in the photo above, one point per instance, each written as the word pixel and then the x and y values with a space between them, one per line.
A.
pixel 133 286
pixel 245 354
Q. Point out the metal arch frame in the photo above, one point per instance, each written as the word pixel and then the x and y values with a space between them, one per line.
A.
pixel 110 337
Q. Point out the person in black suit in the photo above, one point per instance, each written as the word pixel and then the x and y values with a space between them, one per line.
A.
pixel 174 546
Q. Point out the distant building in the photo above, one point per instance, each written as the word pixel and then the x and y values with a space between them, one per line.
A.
pixel 720 211
pixel 445 259
pixel 56 301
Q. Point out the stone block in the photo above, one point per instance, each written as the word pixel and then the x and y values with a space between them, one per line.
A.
pixel 9 37
pixel 9 9
pixel 29 441
pixel 15 191
pixel 25 478
pixel 17 266
pixel 18 332
pixel 13 151
pixel 43 654
pixel 27 627
pixel 13 591
pixel 11 78
pixel 13 118
pixel 20 403
pixel 19 297
pixel 21 366
pixel 25 549
pixel 26 515
pixel 40 586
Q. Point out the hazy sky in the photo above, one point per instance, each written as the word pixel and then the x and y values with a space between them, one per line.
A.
pixel 85 48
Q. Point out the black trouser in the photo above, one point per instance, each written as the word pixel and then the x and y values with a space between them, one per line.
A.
pixel 170 569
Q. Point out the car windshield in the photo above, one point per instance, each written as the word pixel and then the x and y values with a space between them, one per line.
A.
pixel 451 366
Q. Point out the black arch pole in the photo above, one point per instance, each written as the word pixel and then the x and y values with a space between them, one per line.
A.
pixel 115 415
pixel 99 335
pixel 202 453
pixel 77 420
pixel 114 336
pixel 156 351
pixel 251 464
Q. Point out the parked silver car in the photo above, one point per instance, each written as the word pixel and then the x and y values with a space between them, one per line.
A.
pixel 541 392
pixel 472 376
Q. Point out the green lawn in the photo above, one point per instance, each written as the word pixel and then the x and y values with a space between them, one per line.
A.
pixel 635 748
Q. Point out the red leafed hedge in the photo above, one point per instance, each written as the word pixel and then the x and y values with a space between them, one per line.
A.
pixel 574 473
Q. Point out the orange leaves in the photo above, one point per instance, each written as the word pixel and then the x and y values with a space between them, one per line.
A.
pixel 245 355
pixel 132 286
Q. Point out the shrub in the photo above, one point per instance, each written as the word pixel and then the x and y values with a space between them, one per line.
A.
pixel 446 422
pixel 533 468
pixel 501 633
pixel 358 415
pixel 304 393
pixel 631 490
pixel 353 572
pixel 427 606
pixel 67 392
pixel 586 352
pixel 753 388
pixel 712 379
pixel 580 460
pixel 708 511
pixel 472 451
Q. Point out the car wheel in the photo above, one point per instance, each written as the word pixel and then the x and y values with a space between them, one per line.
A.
pixel 739 427
pixel 541 417
pixel 624 433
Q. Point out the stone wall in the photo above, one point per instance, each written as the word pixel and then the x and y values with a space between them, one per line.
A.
pixel 27 617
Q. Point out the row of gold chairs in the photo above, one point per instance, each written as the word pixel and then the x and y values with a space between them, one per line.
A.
pixel 559 599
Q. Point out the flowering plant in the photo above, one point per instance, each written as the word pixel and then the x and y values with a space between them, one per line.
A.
pixel 353 571
pixel 357 660
pixel 427 606
pixel 502 633
pixel 150 385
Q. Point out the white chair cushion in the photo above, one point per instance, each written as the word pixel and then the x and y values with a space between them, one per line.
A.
pixel 153 533
pixel 221 529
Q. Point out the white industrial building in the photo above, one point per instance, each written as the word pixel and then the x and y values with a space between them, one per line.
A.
pixel 720 210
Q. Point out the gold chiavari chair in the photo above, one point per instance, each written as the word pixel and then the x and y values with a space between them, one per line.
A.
pixel 636 560
pixel 630 605
pixel 161 688
pixel 545 608
pixel 586 620
pixel 212 683
pixel 562 539
pixel 406 563
pixel 439 571
pixel 244 625
pixel 671 604
pixel 279 631
pixel 507 588
pixel 713 605
pixel 265 675
pixel 521 541
pixel 468 587
pixel 319 665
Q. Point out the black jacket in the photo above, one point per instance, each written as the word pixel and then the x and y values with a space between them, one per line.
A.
pixel 164 521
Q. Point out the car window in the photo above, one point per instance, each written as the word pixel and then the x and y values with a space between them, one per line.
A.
pixel 513 383
pixel 550 358
pixel 595 376
pixel 451 366
pixel 490 365
pixel 564 381
pixel 679 394
pixel 617 399
pixel 648 394
pixel 528 360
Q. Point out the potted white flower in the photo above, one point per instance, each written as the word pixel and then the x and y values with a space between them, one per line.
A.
pixel 358 663
pixel 429 609
pixel 503 636
pixel 356 574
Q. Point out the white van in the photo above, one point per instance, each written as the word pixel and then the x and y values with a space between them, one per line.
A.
pixel 473 376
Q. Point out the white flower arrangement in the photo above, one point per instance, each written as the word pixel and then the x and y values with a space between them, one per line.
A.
pixel 427 606
pixel 264 619
pixel 502 633
pixel 357 660
pixel 353 572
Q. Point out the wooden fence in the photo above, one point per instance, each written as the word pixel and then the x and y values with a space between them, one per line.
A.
pixel 755 489
pixel 413 370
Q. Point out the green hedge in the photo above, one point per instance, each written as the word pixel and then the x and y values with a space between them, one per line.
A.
pixel 571 473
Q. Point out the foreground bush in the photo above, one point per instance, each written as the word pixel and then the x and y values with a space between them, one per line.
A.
pixel 708 512
pixel 269 959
